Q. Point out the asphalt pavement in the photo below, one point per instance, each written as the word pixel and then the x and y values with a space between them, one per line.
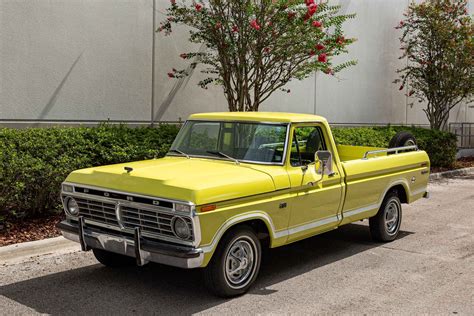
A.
pixel 428 270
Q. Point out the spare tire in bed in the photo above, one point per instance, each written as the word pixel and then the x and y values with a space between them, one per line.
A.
pixel 402 139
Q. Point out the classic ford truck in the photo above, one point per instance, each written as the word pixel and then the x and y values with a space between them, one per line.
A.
pixel 233 184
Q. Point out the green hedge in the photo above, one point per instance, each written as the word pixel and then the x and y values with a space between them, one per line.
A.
pixel 440 146
pixel 35 161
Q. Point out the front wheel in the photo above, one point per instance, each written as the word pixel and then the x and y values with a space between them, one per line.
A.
pixel 235 264
pixel 385 226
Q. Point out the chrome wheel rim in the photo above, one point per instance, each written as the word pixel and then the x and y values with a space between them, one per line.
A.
pixel 240 262
pixel 410 142
pixel 392 216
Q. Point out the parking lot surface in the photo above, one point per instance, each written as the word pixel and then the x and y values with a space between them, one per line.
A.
pixel 429 269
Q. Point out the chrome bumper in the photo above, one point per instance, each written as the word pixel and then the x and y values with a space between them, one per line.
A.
pixel 147 250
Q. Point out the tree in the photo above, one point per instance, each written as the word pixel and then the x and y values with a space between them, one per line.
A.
pixel 255 47
pixel 438 41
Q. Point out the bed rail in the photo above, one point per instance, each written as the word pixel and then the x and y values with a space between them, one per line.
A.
pixel 395 150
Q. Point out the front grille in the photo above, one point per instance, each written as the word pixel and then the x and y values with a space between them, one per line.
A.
pixel 150 221
pixel 102 212
pixel 154 223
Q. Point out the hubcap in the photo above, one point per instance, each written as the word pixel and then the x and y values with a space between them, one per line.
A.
pixel 392 214
pixel 240 263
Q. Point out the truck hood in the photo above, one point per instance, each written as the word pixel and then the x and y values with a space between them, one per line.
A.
pixel 200 181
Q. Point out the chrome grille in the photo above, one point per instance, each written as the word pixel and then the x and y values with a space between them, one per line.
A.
pixel 153 222
pixel 97 211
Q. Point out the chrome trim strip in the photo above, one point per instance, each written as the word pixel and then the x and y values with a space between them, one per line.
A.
pixel 360 210
pixel 312 225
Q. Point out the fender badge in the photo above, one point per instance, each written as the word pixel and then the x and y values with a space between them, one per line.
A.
pixel 128 169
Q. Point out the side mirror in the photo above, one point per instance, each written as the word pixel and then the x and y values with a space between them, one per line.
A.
pixel 323 162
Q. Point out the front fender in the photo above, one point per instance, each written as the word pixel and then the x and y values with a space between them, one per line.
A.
pixel 276 237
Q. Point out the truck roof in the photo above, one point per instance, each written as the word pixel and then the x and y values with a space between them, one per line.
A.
pixel 277 117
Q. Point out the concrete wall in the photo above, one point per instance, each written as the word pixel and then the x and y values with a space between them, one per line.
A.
pixel 93 60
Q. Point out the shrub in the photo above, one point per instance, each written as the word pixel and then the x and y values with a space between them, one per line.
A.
pixel 35 161
pixel 440 146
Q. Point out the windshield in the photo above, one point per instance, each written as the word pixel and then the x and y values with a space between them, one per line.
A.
pixel 254 142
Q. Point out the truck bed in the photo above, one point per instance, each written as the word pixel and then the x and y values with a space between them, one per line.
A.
pixel 347 152
pixel 367 178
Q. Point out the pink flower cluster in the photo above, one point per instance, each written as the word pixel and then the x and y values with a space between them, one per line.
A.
pixel 312 8
pixel 254 24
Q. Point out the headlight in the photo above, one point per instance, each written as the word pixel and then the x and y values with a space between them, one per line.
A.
pixel 182 207
pixel 71 206
pixel 181 228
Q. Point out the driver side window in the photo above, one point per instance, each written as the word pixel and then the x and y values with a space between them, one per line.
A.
pixel 307 140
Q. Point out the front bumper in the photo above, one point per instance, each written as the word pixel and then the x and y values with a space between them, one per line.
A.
pixel 147 250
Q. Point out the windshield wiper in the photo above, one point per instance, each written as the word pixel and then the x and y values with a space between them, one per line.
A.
pixel 219 153
pixel 179 152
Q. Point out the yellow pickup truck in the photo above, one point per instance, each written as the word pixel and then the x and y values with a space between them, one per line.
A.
pixel 233 184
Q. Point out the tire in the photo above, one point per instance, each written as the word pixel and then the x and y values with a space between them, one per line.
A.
pixel 402 139
pixel 113 260
pixel 243 243
pixel 385 226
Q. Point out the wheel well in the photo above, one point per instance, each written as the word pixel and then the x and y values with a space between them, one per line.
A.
pixel 260 228
pixel 401 192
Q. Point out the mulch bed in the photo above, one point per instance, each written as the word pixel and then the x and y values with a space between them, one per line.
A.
pixel 29 230
pixel 41 228
pixel 465 162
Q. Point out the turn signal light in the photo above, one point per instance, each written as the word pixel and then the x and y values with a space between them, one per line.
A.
pixel 208 208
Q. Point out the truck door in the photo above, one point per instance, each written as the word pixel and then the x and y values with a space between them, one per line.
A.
pixel 315 198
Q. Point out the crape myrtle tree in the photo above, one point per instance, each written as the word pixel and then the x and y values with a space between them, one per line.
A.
pixel 255 47
pixel 438 42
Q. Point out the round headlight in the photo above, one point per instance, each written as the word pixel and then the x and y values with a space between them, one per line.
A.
pixel 181 228
pixel 71 206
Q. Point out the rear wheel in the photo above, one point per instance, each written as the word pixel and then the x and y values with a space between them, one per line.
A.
pixel 235 264
pixel 385 226
pixel 111 259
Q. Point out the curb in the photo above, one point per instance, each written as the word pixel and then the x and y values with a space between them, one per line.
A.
pixel 451 173
pixel 19 252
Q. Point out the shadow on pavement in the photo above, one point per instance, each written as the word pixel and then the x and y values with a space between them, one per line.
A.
pixel 167 290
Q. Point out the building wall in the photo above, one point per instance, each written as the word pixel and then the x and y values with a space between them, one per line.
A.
pixel 75 60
